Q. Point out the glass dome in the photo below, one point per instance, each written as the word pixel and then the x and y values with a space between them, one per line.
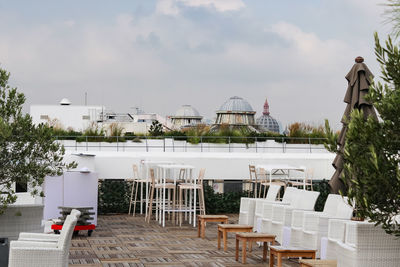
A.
pixel 268 123
pixel 236 103
pixel 187 111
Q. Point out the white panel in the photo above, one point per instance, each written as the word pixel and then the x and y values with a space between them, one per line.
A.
pixel 53 191
pixel 80 190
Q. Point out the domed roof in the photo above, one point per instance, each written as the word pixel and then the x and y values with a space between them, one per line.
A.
pixel 187 111
pixel 268 123
pixel 236 103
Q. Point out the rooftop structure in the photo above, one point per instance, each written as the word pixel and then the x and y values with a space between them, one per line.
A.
pixel 236 112
pixel 186 116
pixel 266 122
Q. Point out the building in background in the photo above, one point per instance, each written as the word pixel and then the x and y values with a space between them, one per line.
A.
pixel 78 118
pixel 236 113
pixel 66 116
pixel 186 116
pixel 266 122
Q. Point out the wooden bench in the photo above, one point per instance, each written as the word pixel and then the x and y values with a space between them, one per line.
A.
pixel 224 229
pixel 318 263
pixel 253 237
pixel 281 252
pixel 203 219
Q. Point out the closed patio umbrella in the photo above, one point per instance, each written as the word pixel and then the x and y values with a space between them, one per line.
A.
pixel 359 79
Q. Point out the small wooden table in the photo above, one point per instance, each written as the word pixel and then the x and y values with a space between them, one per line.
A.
pixel 224 229
pixel 253 237
pixel 318 263
pixel 203 219
pixel 280 252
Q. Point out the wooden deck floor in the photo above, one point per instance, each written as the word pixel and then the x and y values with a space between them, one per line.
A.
pixel 122 240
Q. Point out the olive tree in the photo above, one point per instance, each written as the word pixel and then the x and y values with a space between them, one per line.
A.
pixel 28 152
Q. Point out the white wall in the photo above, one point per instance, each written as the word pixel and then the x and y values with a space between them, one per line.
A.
pixel 68 115
pixel 118 165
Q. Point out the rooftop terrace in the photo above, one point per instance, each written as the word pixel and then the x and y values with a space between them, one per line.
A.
pixel 122 240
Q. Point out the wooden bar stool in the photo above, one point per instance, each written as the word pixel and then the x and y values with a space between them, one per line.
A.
pixel 203 219
pixel 224 229
pixel 280 252
pixel 135 187
pixel 253 237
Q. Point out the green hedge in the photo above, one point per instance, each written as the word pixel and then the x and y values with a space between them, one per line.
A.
pixel 114 198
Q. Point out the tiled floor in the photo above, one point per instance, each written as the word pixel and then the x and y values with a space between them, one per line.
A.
pixel 122 240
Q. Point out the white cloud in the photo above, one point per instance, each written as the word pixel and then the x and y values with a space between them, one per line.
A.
pixel 171 7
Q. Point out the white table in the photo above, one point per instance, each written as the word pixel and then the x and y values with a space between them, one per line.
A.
pixel 146 166
pixel 163 172
pixel 283 169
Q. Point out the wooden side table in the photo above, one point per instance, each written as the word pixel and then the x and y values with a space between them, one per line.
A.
pixel 224 229
pixel 203 219
pixel 318 263
pixel 253 237
pixel 280 252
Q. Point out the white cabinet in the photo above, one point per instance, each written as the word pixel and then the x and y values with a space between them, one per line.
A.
pixel 72 189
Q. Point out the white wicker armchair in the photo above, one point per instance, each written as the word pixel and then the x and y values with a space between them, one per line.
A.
pixel 42 237
pixel 281 217
pixel 246 213
pixel 272 193
pixel 43 254
pixel 367 245
pixel 289 198
pixel 315 224
pixel 336 233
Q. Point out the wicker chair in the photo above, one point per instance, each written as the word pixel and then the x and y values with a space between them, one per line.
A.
pixel 309 227
pixel 283 216
pixel 272 195
pixel 289 198
pixel 42 237
pixel 368 245
pixel 43 254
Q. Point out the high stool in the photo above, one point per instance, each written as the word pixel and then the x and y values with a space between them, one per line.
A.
pixel 157 186
pixel 191 186
pixel 135 182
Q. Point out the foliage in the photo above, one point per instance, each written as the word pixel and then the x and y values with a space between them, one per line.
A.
pixel 115 133
pixel 392 14
pixel 28 153
pixel 372 148
pixel 114 196
pixel 324 189
pixel 93 133
pixel 331 142
pixel 156 129
pixel 303 130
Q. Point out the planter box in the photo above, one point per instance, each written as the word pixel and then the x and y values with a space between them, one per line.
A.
pixel 21 218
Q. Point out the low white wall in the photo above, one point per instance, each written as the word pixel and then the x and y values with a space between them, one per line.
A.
pixel 118 165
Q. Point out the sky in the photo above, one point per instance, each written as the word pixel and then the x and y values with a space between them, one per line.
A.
pixel 161 54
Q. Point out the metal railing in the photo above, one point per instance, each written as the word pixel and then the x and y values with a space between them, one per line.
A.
pixel 193 143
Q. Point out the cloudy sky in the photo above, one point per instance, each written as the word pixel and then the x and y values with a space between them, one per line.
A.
pixel 160 54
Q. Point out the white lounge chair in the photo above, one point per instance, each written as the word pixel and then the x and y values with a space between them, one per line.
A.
pixel 272 193
pixel 43 254
pixel 262 211
pixel 315 224
pixel 42 237
pixel 367 245
pixel 336 233
pixel 266 220
pixel 281 217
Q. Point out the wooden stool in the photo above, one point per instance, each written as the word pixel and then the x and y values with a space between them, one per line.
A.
pixel 253 237
pixel 318 263
pixel 280 252
pixel 203 219
pixel 224 229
